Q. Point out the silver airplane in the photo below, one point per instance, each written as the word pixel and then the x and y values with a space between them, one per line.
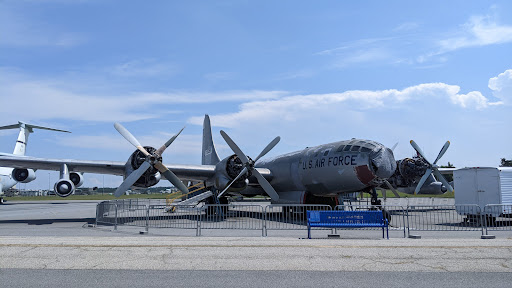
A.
pixel 315 175
pixel 10 176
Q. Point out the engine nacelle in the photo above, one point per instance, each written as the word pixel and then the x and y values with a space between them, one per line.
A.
pixel 412 168
pixel 291 197
pixel 227 170
pixel 434 188
pixel 151 177
pixel 76 178
pixel 23 175
pixel 64 187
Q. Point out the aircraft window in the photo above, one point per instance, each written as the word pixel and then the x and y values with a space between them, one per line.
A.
pixel 364 149
pixel 355 148
pixel 340 148
pixel 347 148
pixel 326 152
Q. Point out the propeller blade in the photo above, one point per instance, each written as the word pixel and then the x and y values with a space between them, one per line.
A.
pixel 171 177
pixel 265 185
pixel 161 150
pixel 132 178
pixel 234 147
pixel 422 181
pixel 443 150
pixel 392 188
pixel 233 181
pixel 441 178
pixel 128 136
pixel 268 148
pixel 417 148
pixel 394 146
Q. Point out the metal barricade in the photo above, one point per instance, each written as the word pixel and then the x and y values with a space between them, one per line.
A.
pixel 444 218
pixel 497 217
pixel 289 217
pixel 396 215
pixel 148 213
pixel 106 213
pixel 236 217
pixel 174 216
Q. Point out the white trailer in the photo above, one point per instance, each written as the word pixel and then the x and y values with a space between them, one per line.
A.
pixel 482 186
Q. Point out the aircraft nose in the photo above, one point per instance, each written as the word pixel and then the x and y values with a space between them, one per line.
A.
pixel 383 162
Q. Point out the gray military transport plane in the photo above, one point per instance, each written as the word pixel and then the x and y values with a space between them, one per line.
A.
pixel 315 175
pixel 10 176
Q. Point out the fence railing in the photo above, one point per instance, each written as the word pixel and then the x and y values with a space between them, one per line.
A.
pixel 497 218
pixel 396 215
pixel 444 218
pixel 155 214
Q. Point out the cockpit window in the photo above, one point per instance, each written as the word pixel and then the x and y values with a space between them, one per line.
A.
pixel 355 148
pixel 326 152
pixel 347 148
pixel 340 148
pixel 364 149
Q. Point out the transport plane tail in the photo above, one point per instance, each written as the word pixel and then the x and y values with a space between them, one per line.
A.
pixel 25 130
pixel 210 156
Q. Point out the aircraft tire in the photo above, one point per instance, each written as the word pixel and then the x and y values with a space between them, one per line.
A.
pixel 1 200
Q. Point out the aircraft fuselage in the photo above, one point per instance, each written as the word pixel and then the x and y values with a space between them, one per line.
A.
pixel 331 169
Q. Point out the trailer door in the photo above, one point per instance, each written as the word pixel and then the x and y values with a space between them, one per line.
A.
pixel 488 191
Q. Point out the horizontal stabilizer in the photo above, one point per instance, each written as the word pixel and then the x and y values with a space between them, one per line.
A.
pixel 30 127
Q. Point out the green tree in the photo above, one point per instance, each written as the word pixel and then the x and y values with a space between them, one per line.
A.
pixel 448 177
pixel 506 163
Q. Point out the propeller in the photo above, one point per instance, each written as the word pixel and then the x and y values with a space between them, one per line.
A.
pixel 432 168
pixel 249 165
pixel 151 160
pixel 394 146
pixel 392 188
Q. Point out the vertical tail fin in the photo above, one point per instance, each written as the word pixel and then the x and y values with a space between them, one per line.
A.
pixel 25 130
pixel 210 156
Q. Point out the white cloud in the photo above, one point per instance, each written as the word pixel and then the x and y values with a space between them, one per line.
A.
pixel 293 107
pixel 73 100
pixel 478 31
pixel 143 68
pixel 47 99
pixel 182 97
pixel 472 99
pixel 502 86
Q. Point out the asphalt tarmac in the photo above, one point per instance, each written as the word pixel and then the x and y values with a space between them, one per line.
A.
pixel 49 244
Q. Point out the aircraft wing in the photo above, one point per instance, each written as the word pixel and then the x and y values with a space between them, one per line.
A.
pixel 87 166
pixel 184 172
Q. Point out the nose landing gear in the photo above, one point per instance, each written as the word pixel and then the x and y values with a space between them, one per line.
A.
pixel 377 205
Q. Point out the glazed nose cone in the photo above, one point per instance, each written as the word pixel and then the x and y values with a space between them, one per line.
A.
pixel 384 163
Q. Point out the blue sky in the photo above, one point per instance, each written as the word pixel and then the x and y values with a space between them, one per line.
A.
pixel 311 72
